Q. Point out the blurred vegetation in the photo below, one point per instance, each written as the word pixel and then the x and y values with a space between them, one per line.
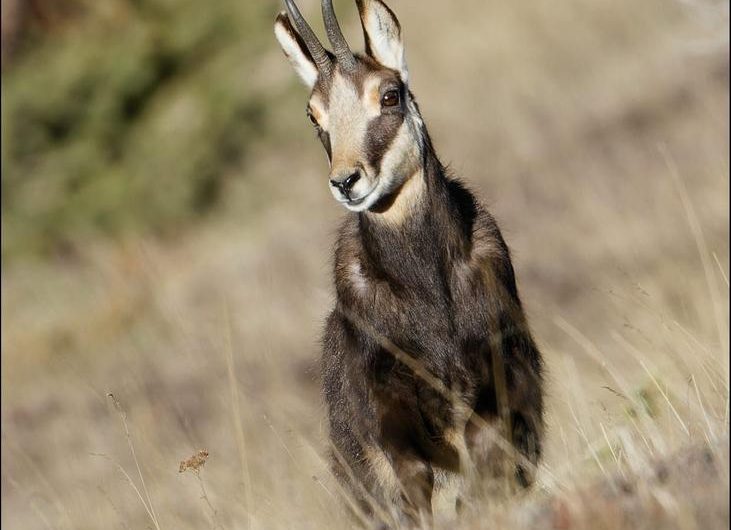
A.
pixel 128 115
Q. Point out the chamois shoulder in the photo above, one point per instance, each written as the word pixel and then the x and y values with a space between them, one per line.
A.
pixel 477 224
pixel 487 248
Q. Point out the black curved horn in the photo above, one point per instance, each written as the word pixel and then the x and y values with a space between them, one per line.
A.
pixel 345 57
pixel 315 47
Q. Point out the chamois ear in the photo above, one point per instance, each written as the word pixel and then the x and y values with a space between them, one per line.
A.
pixel 295 50
pixel 382 33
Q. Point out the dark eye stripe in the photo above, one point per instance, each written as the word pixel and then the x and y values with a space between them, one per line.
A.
pixel 325 139
pixel 379 137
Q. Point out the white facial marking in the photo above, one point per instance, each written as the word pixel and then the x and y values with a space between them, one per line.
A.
pixel 348 126
pixel 349 123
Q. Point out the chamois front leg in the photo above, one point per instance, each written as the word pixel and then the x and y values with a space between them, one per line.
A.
pixel 399 484
pixel 523 390
pixel 509 408
pixel 417 483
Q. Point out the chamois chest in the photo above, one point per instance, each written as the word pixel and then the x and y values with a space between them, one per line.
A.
pixel 417 292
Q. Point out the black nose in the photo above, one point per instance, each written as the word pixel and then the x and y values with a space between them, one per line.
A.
pixel 346 184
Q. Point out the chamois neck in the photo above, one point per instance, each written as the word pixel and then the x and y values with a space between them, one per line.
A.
pixel 429 232
pixel 407 202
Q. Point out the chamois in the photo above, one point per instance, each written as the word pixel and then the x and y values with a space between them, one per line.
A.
pixel 428 363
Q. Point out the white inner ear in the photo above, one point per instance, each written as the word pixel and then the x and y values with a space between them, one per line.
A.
pixel 305 69
pixel 387 46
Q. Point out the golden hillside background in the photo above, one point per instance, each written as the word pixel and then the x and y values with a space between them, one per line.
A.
pixel 167 234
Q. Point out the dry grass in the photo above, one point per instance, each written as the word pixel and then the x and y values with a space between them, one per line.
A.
pixel 598 134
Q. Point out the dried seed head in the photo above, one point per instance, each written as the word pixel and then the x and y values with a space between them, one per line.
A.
pixel 195 463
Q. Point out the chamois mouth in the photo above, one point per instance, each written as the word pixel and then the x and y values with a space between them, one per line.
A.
pixel 357 204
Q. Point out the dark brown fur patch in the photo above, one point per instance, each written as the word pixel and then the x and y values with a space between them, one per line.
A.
pixel 380 134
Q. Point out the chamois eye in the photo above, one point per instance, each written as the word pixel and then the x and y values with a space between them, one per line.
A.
pixel 390 99
pixel 312 119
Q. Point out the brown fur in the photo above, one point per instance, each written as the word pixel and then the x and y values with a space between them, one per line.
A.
pixel 431 327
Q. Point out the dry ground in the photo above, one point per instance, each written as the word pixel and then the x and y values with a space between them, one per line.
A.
pixel 597 132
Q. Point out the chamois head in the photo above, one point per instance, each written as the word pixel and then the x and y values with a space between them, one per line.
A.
pixel 360 104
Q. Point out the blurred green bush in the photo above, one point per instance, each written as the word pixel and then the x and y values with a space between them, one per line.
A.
pixel 128 119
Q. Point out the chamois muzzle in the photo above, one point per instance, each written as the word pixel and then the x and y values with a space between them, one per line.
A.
pixel 345 185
